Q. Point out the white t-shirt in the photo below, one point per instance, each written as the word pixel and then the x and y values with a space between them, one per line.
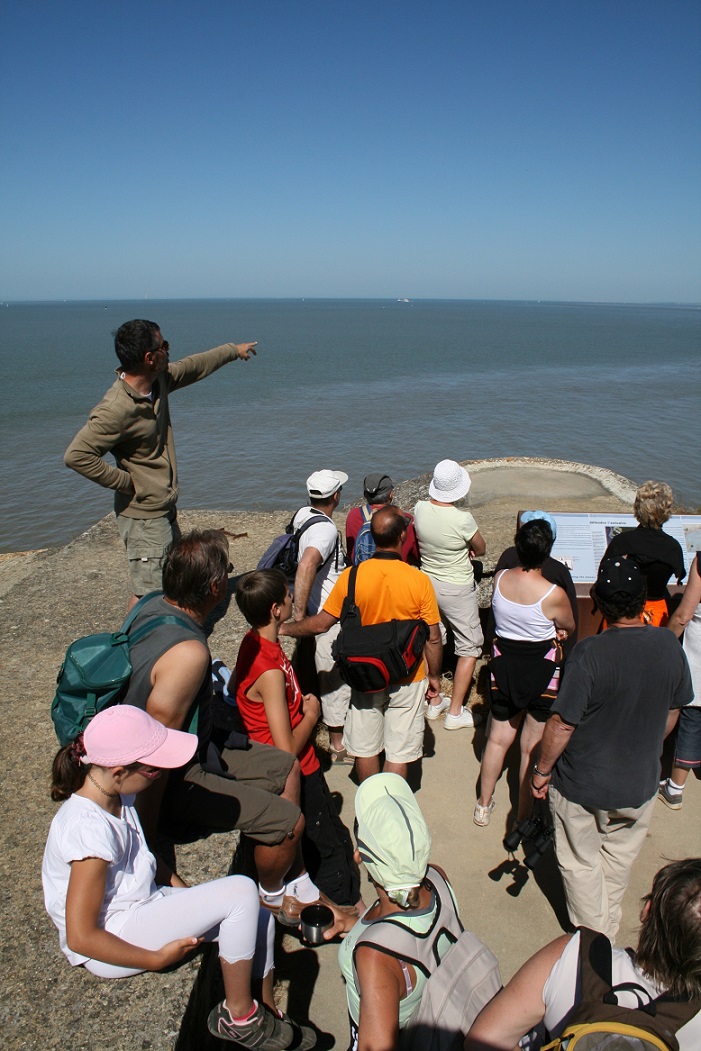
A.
pixel 559 992
pixel 444 535
pixel 324 537
pixel 82 829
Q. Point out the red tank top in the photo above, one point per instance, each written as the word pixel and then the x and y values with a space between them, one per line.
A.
pixel 258 655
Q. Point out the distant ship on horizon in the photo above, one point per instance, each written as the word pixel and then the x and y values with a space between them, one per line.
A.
pixel 404 301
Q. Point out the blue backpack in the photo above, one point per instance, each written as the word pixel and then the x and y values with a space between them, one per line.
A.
pixel 364 547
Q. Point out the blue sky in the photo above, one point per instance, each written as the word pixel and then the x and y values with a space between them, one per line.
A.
pixel 539 149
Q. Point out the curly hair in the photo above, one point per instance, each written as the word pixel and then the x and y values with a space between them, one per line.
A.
pixel 653 504
pixel 669 946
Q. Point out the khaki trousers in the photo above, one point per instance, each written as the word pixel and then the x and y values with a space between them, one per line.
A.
pixel 595 851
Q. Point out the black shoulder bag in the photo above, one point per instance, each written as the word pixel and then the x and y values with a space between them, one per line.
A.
pixel 371 658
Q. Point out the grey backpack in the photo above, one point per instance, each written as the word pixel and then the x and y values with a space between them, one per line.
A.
pixel 460 982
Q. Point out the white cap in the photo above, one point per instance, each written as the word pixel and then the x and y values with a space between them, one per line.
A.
pixel 450 482
pixel 322 484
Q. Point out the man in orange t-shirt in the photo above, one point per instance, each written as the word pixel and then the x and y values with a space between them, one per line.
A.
pixel 386 589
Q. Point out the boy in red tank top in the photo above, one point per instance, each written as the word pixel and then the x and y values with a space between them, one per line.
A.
pixel 275 712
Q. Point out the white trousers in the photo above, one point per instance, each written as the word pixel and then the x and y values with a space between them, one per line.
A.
pixel 225 910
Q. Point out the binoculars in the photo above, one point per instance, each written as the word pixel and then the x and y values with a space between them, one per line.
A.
pixel 537 832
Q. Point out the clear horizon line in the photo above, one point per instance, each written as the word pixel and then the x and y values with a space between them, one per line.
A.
pixel 355 299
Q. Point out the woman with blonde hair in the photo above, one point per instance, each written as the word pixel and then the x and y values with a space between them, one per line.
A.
pixel 657 553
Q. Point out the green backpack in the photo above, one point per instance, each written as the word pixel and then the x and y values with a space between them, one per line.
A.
pixel 95 673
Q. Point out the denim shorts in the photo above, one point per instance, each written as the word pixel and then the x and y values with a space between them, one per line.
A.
pixel 687 750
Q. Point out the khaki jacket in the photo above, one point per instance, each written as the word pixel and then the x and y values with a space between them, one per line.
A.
pixel 136 429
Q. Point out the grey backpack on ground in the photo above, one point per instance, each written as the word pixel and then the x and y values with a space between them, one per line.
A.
pixel 460 981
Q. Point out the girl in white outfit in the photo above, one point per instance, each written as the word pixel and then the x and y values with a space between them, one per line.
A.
pixel 119 911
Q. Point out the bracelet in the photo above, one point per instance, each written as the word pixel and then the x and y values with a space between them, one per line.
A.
pixel 540 773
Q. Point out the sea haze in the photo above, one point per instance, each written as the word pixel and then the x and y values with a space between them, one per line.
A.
pixel 359 385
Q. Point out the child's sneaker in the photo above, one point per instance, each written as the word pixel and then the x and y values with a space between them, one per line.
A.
pixel 263 1031
pixel 434 711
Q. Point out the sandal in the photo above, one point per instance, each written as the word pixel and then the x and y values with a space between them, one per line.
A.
pixel 341 757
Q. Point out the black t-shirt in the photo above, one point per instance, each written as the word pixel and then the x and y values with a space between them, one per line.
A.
pixel 657 553
pixel 617 693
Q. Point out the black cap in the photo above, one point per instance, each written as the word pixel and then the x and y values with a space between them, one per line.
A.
pixel 619 576
pixel 377 487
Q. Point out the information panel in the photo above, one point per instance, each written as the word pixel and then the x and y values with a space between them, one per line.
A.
pixel 582 539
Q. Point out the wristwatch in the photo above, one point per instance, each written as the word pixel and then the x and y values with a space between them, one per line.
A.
pixel 540 773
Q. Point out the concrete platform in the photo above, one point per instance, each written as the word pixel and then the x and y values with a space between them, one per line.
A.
pixel 48 598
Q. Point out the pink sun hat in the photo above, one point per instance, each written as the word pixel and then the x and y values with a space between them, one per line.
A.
pixel 122 735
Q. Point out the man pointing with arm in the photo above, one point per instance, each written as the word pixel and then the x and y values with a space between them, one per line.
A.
pixel 133 423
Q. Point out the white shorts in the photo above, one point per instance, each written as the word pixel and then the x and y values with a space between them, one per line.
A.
pixel 391 721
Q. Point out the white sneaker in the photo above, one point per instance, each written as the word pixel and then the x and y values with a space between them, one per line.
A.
pixel 434 711
pixel 465 720
pixel 482 814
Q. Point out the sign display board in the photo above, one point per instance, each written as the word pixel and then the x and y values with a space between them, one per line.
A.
pixel 583 538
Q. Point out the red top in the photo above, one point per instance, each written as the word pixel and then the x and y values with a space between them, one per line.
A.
pixel 258 655
pixel 355 521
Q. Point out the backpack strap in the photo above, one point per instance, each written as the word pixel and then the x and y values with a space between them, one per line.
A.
pixel 157 622
pixel 666 1013
pixel 349 608
pixel 367 512
pixel 136 609
pixel 313 520
pixel 391 937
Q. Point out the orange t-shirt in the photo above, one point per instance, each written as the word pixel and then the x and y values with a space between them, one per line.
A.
pixel 256 656
pixel 388 589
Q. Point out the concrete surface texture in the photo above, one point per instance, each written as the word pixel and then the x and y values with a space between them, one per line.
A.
pixel 51 597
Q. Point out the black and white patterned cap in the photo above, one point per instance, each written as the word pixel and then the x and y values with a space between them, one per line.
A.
pixel 619 576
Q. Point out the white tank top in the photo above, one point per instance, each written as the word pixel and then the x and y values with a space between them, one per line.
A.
pixel 522 623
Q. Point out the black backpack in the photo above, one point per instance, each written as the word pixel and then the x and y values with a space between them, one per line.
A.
pixel 371 658
pixel 283 553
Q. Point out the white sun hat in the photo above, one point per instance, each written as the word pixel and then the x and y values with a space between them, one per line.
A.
pixel 450 482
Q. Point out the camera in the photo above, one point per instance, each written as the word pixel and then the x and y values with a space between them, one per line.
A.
pixel 535 830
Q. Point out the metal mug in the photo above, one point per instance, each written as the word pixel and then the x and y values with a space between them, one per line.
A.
pixel 316 919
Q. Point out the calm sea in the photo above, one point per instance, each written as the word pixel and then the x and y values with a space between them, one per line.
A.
pixel 358 385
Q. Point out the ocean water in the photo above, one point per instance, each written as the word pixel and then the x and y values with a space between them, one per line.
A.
pixel 357 385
